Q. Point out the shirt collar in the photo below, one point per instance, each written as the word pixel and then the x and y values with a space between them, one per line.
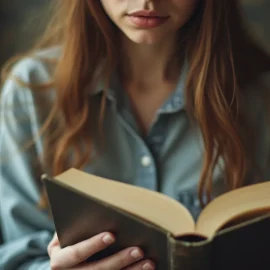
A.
pixel 174 103
pixel 111 88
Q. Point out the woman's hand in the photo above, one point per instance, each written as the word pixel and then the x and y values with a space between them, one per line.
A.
pixel 72 257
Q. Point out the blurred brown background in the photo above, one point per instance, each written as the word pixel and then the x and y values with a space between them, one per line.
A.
pixel 21 20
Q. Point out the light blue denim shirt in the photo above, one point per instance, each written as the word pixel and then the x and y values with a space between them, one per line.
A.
pixel 168 159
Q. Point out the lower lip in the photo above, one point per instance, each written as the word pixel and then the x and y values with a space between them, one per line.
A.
pixel 147 22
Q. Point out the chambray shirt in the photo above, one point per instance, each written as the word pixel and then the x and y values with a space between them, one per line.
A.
pixel 168 159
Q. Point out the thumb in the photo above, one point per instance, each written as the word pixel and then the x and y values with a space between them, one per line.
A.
pixel 53 244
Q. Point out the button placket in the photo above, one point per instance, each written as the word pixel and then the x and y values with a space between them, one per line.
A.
pixel 146 167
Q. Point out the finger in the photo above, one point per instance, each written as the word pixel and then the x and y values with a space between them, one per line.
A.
pixel 142 265
pixel 74 255
pixel 119 260
pixel 54 242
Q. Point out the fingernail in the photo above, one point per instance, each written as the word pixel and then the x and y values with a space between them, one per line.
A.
pixel 108 239
pixel 136 254
pixel 148 266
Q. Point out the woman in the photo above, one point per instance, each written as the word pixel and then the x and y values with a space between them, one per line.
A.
pixel 169 95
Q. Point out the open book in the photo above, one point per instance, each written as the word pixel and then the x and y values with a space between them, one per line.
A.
pixel 83 205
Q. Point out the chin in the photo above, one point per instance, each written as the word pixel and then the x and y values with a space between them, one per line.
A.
pixel 145 39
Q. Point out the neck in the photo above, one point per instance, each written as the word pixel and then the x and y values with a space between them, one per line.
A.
pixel 149 65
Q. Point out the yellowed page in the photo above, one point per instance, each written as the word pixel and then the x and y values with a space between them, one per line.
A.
pixel 244 201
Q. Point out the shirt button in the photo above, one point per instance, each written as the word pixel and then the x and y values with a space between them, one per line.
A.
pixel 146 161
pixel 197 203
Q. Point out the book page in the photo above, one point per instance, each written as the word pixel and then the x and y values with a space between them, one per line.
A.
pixel 239 204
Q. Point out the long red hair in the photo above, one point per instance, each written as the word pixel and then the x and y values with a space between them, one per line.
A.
pixel 221 55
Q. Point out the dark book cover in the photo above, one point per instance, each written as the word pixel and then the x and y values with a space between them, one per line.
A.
pixel 78 217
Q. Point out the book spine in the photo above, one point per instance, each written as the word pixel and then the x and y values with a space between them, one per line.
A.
pixel 189 255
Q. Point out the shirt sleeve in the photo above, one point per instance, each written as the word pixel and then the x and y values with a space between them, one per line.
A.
pixel 26 229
